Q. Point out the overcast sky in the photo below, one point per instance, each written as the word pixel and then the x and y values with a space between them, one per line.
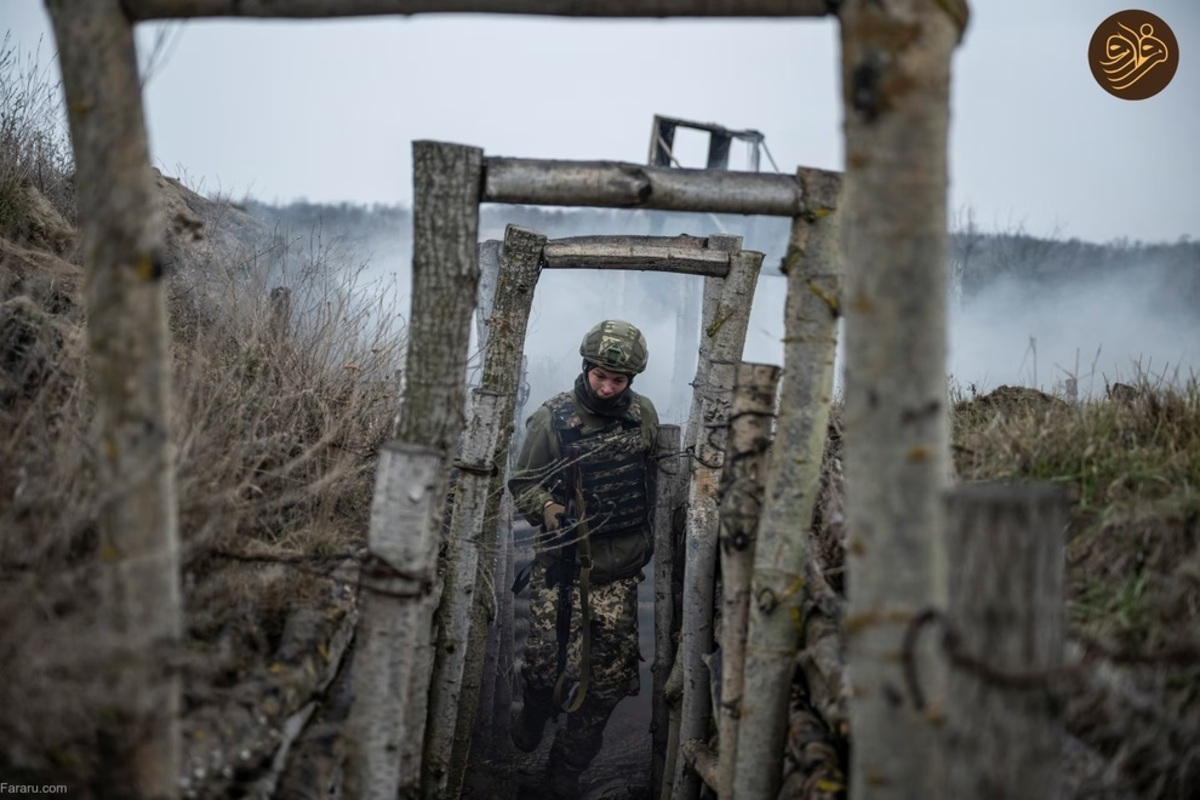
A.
pixel 327 110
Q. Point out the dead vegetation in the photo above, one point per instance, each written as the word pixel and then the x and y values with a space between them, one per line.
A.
pixel 281 398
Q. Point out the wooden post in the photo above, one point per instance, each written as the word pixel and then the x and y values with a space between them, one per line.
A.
pixel 394 660
pixel 460 567
pixel 751 414
pixel 129 371
pixel 520 267
pixel 174 9
pixel 610 184
pixel 504 630
pixel 725 330
pixel 667 451
pixel 709 316
pixel 1005 550
pixel 781 563
pixel 896 70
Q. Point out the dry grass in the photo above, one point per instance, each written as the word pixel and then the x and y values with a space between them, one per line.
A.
pixel 1131 469
pixel 278 408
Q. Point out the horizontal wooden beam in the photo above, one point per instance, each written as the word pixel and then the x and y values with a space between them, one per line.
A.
pixel 613 184
pixel 681 254
pixel 139 10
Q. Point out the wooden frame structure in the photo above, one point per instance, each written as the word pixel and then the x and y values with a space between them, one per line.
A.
pixel 888 52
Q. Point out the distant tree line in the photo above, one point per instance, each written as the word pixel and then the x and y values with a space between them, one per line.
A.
pixel 978 259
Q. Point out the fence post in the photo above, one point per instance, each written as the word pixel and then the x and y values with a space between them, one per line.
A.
pixel 394 655
pixel 667 450
pixel 752 415
pixel 725 325
pixel 1005 552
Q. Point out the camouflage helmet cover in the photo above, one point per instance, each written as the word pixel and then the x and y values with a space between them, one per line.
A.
pixel 616 345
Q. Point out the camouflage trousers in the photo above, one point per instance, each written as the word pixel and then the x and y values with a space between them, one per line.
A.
pixel 613 662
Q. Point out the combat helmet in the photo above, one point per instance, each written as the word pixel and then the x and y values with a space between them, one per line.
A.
pixel 615 345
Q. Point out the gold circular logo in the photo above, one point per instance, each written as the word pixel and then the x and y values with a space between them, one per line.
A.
pixel 1133 55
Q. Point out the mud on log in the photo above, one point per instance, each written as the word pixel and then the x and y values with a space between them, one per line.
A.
pixel 249 725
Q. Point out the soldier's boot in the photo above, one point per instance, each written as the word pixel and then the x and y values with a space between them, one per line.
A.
pixel 530 722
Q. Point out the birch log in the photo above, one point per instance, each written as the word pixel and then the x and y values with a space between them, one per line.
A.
pixel 667 450
pixel 896 74
pixel 452 621
pixel 186 9
pixel 710 314
pixel 781 561
pixel 751 414
pixel 520 267
pixel 726 331
pixel 683 254
pixel 129 371
pixel 395 656
pixel 1005 548
pixel 612 184
pixel 504 630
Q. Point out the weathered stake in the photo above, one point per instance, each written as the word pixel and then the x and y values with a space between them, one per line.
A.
pixel 782 564
pixel 669 465
pixel 129 372
pixel 725 327
pixel 183 9
pixel 387 719
pixel 751 414
pixel 461 567
pixel 896 56
pixel 1005 549
pixel 519 269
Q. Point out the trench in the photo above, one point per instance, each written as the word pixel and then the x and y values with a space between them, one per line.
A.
pixel 621 770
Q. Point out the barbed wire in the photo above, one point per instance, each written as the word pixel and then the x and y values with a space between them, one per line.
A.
pixel 952 646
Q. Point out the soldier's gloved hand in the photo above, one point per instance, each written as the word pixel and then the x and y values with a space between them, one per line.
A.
pixel 550 514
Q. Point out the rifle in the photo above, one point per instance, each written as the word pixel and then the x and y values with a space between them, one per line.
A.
pixel 579 550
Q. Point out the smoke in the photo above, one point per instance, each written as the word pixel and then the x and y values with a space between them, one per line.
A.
pixel 1114 313
pixel 1121 324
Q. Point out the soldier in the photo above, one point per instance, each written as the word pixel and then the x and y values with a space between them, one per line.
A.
pixel 585 476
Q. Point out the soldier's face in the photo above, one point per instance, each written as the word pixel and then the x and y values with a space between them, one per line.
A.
pixel 607 384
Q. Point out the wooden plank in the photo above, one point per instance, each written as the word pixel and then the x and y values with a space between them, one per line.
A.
pixel 140 10
pixel 612 184
pixel 1006 555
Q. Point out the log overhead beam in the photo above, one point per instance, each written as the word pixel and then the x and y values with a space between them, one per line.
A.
pixel 613 184
pixel 140 10
pixel 681 254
